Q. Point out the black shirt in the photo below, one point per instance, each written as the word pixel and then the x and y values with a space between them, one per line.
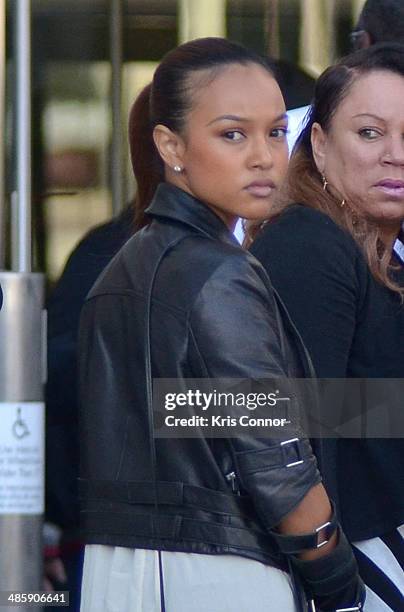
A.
pixel 353 327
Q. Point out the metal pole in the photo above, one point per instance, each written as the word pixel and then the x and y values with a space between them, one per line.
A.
pixel 22 364
pixel 116 51
pixel 2 131
pixel 23 53
pixel 22 372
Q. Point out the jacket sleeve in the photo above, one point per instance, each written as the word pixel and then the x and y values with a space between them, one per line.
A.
pixel 235 333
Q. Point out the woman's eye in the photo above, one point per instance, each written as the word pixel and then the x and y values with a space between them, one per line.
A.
pixel 280 132
pixel 233 135
pixel 369 133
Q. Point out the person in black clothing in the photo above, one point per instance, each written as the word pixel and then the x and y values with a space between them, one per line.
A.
pixel 379 21
pixel 297 86
pixel 181 299
pixel 87 261
pixel 334 249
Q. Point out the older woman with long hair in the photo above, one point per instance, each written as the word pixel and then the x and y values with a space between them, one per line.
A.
pixel 334 248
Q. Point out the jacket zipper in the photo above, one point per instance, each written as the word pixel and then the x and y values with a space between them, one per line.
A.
pixel 232 478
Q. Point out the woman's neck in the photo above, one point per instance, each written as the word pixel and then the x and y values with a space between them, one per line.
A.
pixel 388 235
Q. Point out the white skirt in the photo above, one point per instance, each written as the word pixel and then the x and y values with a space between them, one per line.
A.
pixel 117 579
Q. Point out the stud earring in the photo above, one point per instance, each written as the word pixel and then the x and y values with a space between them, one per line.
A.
pixel 177 169
pixel 325 182
pixel 343 203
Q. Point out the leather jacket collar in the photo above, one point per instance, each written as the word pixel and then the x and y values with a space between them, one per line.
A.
pixel 171 202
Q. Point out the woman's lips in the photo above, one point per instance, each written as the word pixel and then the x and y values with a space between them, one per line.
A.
pixel 260 189
pixel 391 187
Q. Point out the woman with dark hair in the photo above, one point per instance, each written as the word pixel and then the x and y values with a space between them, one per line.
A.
pixel 334 247
pixel 180 524
pixel 198 524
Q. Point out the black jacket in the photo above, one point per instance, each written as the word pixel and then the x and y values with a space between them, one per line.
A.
pixel 183 300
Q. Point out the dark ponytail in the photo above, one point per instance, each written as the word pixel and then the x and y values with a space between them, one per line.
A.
pixel 146 162
pixel 168 100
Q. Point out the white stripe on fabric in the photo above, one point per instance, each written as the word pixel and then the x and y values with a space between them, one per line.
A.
pixel 376 550
pixel 373 603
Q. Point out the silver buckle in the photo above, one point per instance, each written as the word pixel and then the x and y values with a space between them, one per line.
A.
pixel 292 441
pixel 354 609
pixel 318 529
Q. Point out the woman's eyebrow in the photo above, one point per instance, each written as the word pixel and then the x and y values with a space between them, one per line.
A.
pixel 369 115
pixel 228 118
pixel 281 117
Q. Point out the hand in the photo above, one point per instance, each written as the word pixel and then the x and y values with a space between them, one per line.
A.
pixel 53 568
pixel 54 572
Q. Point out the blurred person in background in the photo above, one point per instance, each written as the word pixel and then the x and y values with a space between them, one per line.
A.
pixel 379 21
pixel 334 248
pixel 87 261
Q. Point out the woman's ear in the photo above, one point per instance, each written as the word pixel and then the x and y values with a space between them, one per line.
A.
pixel 169 145
pixel 319 146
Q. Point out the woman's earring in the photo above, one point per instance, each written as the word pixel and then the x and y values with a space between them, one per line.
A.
pixel 325 182
pixel 177 169
pixel 343 203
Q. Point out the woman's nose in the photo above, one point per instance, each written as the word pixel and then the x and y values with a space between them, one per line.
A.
pixel 394 153
pixel 260 154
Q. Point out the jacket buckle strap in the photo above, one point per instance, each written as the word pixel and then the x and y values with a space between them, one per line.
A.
pixel 285 452
pixel 291 544
pixel 358 608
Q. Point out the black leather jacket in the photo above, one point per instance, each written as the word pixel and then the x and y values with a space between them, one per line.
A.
pixel 183 300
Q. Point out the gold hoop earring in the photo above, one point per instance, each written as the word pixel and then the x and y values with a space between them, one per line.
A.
pixel 325 182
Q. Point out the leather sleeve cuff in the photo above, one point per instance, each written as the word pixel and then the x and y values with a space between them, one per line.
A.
pixel 293 544
pixel 333 580
pixel 278 477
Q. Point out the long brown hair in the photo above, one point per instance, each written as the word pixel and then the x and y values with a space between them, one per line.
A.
pixel 304 183
pixel 168 100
